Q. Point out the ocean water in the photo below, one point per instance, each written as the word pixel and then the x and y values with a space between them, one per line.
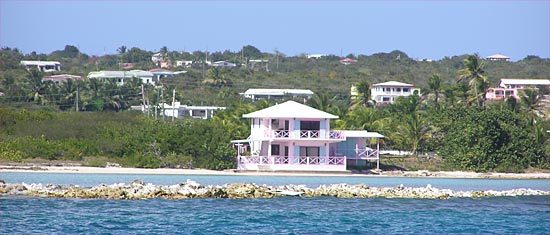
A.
pixel 90 180
pixel 284 215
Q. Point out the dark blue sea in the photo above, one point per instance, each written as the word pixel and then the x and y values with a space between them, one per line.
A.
pixel 284 215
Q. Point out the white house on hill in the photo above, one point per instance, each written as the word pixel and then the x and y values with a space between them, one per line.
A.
pixel 387 92
pixel 120 77
pixel 42 66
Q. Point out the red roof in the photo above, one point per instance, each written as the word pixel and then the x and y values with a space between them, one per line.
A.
pixel 348 60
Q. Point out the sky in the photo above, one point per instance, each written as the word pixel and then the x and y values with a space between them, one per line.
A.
pixel 422 29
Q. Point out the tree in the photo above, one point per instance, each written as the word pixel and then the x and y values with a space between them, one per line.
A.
pixel 122 51
pixel 36 87
pixel 530 101
pixel 250 52
pixel 216 78
pixel 322 101
pixel 363 88
pixel 475 73
pixel 434 82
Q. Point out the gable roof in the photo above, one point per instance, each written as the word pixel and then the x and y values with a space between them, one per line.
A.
pixel 498 56
pixel 393 83
pixel 290 109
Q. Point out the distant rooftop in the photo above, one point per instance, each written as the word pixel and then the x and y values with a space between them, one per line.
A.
pixel 498 56
pixel 393 83
pixel 518 81
pixel 277 92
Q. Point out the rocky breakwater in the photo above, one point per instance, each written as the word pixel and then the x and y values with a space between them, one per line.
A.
pixel 190 189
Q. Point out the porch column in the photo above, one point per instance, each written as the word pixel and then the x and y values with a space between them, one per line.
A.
pixel 377 153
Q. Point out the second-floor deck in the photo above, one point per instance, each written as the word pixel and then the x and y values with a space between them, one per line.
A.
pixel 304 134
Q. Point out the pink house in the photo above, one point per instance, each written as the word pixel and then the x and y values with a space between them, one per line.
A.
pixel 295 137
pixel 510 87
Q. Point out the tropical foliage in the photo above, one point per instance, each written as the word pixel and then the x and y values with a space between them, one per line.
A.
pixel 450 118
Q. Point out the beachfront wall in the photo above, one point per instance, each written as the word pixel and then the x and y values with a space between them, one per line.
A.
pixel 296 137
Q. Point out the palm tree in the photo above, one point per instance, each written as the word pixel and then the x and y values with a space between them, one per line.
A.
pixel 530 101
pixel 69 90
pixel 434 82
pixel 216 78
pixel 412 132
pixel 37 87
pixel 364 89
pixel 476 75
pixel 322 101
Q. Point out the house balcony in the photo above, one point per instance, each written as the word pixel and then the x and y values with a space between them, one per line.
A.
pixel 288 160
pixel 305 134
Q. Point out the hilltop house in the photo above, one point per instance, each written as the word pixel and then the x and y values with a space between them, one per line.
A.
pixel 509 87
pixel 180 111
pixel 256 94
pixel 347 61
pixel 120 77
pixel 387 92
pixel 295 137
pixel 498 57
pixel 223 64
pixel 62 78
pixel 42 66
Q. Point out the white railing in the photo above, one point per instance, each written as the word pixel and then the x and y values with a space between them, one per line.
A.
pixel 281 159
pixel 254 160
pixel 281 134
pixel 336 160
pixel 339 135
pixel 308 160
pixel 309 134
pixel 286 160
pixel 368 153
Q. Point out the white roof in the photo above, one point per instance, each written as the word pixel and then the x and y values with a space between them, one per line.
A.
pixel 32 62
pixel 290 109
pixel 120 74
pixel 512 81
pixel 365 134
pixel 498 56
pixel 393 83
pixel 280 92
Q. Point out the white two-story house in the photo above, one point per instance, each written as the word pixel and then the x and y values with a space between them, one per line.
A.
pixel 387 92
pixel 295 137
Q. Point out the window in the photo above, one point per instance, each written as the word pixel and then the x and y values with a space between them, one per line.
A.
pixel 385 99
pixel 310 125
pixel 398 89
pixel 275 149
pixel 275 124
pixel 309 151
pixel 406 90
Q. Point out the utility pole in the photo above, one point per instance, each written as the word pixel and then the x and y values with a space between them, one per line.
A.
pixel 143 97
pixel 173 106
pixel 162 100
pixel 77 97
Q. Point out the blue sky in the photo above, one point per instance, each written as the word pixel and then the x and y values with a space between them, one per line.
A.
pixel 422 29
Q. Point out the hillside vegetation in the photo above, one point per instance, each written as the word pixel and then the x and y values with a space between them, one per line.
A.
pixel 450 117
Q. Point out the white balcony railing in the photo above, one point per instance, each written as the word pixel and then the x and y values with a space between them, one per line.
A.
pixel 309 134
pixel 301 160
pixel 304 134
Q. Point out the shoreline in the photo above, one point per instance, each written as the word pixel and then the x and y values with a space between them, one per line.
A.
pixel 232 172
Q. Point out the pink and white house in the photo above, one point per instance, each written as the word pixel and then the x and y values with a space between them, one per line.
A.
pixel 510 87
pixel 295 137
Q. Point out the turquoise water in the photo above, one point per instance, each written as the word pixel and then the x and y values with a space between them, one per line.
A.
pixel 285 215
pixel 89 180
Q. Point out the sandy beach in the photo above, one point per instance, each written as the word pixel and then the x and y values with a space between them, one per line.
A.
pixel 124 170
